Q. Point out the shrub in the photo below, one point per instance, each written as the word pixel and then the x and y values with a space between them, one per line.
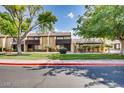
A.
pixel 4 49
pixel 48 47
pixel 109 46
pixel 62 50
pixel 14 50
pixel 8 50
pixel 38 50
pixel 43 50
pixel 0 49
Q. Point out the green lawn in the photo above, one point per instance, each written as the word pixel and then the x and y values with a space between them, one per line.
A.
pixel 25 56
pixel 85 56
pixel 35 56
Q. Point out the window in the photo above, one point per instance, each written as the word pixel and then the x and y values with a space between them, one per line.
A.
pixel 36 38
pixel 59 38
pixel 60 46
pixel 33 38
pixel 37 46
pixel 67 37
pixel 30 38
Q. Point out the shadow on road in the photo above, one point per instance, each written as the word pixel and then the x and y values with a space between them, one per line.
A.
pixel 110 76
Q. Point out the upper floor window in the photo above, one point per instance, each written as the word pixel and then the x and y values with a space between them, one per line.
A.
pixel 30 38
pixel 33 38
pixel 59 38
pixel 63 37
pixel 67 37
pixel 36 38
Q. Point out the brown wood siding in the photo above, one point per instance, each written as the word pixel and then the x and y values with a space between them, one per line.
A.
pixel 44 42
pixel 52 42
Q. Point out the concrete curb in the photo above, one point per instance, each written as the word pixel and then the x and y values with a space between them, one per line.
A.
pixel 61 64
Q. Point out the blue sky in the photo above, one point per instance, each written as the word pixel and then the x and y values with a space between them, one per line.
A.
pixel 66 15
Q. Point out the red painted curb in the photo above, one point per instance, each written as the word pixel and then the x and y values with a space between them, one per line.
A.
pixel 61 64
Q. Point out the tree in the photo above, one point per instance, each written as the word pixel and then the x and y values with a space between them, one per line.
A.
pixel 6 26
pixel 18 21
pixel 47 21
pixel 103 22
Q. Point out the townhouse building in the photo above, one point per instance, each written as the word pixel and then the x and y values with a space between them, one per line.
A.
pixel 37 42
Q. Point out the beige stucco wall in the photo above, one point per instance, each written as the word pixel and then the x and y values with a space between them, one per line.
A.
pixel 8 43
pixel 5 42
pixel 1 42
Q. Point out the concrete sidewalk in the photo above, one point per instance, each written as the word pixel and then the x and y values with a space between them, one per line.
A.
pixel 59 61
pixel 62 62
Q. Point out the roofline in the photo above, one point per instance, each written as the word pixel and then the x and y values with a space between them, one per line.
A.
pixel 68 34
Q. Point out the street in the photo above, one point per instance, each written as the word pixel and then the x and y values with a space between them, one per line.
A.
pixel 61 77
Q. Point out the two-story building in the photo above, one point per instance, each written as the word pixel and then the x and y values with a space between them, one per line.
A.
pixel 39 42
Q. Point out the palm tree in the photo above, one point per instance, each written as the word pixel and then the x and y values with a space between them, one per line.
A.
pixel 47 21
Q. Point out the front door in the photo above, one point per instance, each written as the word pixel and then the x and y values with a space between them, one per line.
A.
pixel 30 48
pixel 15 47
pixel 67 46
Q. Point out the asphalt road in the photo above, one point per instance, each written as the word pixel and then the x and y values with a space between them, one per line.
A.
pixel 61 77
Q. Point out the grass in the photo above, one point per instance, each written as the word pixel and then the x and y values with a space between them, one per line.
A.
pixel 86 56
pixel 36 56
pixel 25 56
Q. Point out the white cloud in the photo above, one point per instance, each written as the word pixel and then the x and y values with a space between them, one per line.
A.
pixel 71 15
